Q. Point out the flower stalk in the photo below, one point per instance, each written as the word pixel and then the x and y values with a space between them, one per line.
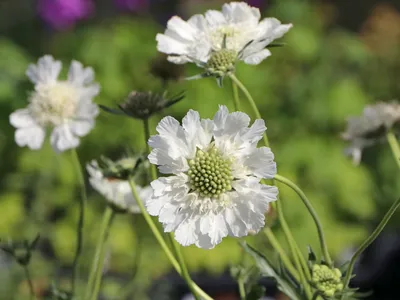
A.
pixel 251 101
pixel 283 256
pixel 236 99
pixel 307 203
pixel 369 241
pixel 81 221
pixel 292 245
pixel 30 283
pixel 98 261
pixel 162 242
pixel 146 128
pixel 394 146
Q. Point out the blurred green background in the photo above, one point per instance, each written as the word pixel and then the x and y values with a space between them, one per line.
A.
pixel 331 67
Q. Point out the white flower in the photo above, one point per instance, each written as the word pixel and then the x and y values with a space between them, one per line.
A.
pixel 215 189
pixel 64 105
pixel 370 127
pixel 116 191
pixel 234 33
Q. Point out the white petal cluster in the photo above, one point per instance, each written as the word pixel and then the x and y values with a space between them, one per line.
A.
pixel 238 23
pixel 64 105
pixel 214 190
pixel 116 191
pixel 370 127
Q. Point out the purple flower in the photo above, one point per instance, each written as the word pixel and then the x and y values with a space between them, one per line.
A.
pixel 256 3
pixel 132 5
pixel 62 14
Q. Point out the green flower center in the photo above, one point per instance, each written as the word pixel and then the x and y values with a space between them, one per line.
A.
pixel 210 174
pixel 326 280
pixel 222 62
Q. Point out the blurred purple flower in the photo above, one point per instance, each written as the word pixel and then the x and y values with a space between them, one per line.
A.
pixel 61 14
pixel 132 5
pixel 256 3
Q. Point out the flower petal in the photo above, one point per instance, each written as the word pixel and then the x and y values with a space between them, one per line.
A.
pixel 78 75
pixel 261 163
pixel 22 118
pixel 63 139
pixel 237 12
pixel 81 127
pixel 256 58
pixel 46 71
pixel 32 137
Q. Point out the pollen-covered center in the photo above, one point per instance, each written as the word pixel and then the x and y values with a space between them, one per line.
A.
pixel 52 104
pixel 210 174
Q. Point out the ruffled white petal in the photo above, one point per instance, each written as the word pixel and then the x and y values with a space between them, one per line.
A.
pixel 78 75
pixel 256 58
pixel 45 71
pixel 22 118
pixel 32 137
pixel 261 163
pixel 62 138
pixel 237 12
pixel 81 127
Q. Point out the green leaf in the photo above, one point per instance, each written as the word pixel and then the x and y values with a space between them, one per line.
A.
pixel 267 269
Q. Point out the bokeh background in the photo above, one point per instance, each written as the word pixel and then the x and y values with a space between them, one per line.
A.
pixel 339 56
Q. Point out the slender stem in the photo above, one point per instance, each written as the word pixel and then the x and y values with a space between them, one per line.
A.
pixel 394 146
pixel 98 261
pixel 236 100
pixel 128 290
pixel 81 221
pixel 251 101
pixel 369 240
pixel 278 248
pixel 161 241
pixel 303 263
pixel 313 213
pixel 29 280
pixel 96 258
pixel 242 291
pixel 292 245
pixel 146 127
pixel 185 271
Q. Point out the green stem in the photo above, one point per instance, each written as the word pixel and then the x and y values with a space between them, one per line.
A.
pixel 81 222
pixel 303 197
pixel 161 241
pixel 252 103
pixel 394 146
pixel 30 283
pixel 146 127
pixel 292 245
pixel 303 263
pixel 185 271
pixel 236 100
pixel 242 291
pixel 98 261
pixel 369 240
pixel 278 248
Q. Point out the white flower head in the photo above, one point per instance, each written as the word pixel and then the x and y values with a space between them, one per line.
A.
pixel 220 38
pixel 64 105
pixel 371 127
pixel 116 191
pixel 214 190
